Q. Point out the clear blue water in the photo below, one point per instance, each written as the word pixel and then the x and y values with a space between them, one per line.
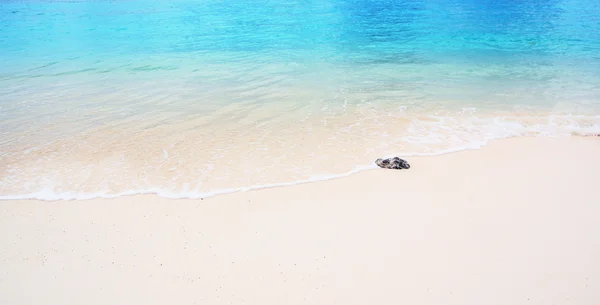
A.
pixel 189 98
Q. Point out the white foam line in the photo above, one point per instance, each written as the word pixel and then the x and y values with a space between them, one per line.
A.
pixel 48 196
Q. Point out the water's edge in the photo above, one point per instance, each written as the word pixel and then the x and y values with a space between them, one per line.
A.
pixel 43 196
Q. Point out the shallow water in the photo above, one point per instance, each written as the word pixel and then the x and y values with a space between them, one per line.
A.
pixel 192 98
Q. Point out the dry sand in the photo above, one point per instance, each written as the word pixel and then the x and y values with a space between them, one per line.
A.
pixel 517 222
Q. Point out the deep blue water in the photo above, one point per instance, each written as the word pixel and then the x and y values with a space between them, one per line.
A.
pixel 343 31
pixel 464 42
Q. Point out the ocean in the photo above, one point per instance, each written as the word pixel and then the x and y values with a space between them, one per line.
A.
pixel 188 99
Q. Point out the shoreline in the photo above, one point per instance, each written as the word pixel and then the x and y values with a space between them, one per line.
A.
pixel 514 222
pixel 227 191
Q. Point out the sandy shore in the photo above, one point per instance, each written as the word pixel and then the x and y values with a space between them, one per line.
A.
pixel 516 222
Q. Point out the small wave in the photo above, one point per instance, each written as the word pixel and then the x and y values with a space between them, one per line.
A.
pixel 438 134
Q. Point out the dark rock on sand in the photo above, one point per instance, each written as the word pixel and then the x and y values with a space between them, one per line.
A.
pixel 392 163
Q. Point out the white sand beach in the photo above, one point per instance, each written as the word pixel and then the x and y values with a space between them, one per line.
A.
pixel 515 222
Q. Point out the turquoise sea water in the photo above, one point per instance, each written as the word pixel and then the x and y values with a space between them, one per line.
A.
pixel 193 98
